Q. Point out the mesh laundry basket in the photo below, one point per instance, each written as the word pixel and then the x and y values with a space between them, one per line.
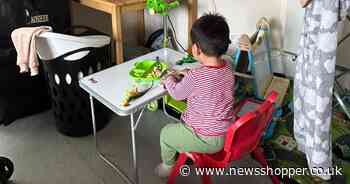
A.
pixel 66 59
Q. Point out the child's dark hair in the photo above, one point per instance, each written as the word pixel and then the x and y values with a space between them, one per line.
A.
pixel 211 34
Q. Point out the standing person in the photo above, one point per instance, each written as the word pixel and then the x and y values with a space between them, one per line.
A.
pixel 315 74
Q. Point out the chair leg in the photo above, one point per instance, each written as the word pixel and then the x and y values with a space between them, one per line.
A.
pixel 258 155
pixel 205 178
pixel 176 170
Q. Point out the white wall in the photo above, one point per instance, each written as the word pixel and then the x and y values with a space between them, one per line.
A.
pixel 343 50
pixel 241 15
pixel 292 22
pixel 293 25
pixel 293 28
pixel 344 56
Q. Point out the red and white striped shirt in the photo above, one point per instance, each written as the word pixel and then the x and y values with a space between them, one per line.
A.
pixel 209 92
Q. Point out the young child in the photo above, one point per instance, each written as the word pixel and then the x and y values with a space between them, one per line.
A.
pixel 209 93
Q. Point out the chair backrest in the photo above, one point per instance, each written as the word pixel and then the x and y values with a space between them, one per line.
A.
pixel 245 133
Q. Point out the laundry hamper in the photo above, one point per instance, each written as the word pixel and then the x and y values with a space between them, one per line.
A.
pixel 66 59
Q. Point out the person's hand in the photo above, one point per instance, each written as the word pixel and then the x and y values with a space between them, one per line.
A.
pixel 244 43
pixel 170 71
pixel 165 77
pixel 304 3
pixel 184 71
pixel 169 1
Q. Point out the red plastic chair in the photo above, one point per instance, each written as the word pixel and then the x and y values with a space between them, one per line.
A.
pixel 243 138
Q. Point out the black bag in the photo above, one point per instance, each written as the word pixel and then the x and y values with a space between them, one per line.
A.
pixel 21 94
pixel 19 13
pixel 155 40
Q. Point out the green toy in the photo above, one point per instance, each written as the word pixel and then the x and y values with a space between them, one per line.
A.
pixel 161 6
pixel 188 59
pixel 147 71
pixel 144 72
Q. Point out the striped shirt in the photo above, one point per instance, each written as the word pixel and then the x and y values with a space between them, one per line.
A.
pixel 209 93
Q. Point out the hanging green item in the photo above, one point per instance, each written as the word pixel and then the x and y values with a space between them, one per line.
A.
pixel 161 7
pixel 186 60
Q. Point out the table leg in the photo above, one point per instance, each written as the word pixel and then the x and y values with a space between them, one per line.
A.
pixel 99 154
pixel 133 141
pixel 192 8
pixel 141 27
pixel 133 127
pixel 117 32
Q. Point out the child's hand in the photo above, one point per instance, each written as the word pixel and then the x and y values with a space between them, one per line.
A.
pixel 184 71
pixel 165 77
pixel 304 3
pixel 244 43
pixel 170 71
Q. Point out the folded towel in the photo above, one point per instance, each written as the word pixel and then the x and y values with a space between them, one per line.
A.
pixel 24 42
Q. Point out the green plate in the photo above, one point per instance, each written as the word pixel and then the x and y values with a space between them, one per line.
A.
pixel 142 71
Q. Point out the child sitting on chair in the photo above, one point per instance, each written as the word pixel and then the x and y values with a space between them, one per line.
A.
pixel 209 93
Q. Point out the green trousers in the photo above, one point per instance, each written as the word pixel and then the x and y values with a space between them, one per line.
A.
pixel 179 138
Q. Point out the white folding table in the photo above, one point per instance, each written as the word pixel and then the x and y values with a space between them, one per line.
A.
pixel 109 86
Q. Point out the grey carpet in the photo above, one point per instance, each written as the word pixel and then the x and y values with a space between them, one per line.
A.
pixel 43 156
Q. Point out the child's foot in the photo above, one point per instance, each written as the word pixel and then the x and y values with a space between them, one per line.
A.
pixel 189 161
pixel 163 170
